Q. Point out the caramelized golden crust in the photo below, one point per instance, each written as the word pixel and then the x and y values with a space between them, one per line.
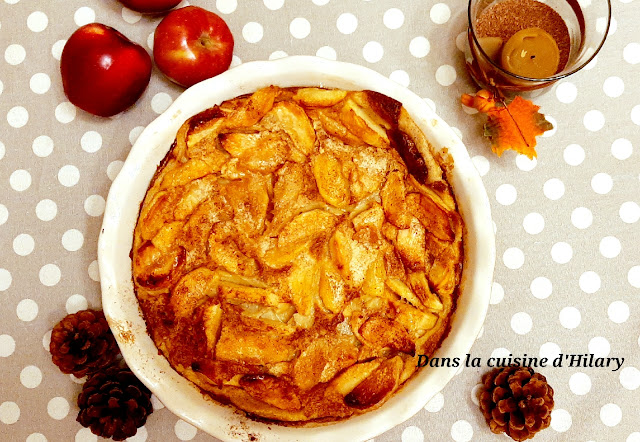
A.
pixel 296 251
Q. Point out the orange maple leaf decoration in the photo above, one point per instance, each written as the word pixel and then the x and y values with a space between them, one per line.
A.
pixel 514 126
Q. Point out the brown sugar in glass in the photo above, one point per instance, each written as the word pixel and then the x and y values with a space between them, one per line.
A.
pixel 506 18
pixel 578 32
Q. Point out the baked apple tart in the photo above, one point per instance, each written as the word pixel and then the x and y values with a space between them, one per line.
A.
pixel 297 250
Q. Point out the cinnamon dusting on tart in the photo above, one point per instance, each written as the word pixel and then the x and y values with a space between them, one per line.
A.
pixel 297 249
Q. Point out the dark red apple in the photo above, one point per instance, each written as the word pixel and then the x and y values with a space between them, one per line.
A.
pixel 150 6
pixel 192 44
pixel 103 72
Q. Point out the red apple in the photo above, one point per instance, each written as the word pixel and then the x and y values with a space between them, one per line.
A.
pixel 150 6
pixel 192 44
pixel 103 72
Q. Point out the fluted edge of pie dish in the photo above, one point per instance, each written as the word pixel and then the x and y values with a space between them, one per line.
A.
pixel 127 192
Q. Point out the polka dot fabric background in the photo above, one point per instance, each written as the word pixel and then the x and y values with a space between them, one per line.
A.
pixel 567 276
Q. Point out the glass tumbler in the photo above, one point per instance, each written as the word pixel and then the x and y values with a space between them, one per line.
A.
pixel 587 25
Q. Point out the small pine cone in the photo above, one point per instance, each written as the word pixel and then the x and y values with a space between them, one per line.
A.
pixel 114 403
pixel 516 401
pixel 82 343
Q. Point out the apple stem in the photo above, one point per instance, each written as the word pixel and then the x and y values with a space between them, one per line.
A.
pixel 206 41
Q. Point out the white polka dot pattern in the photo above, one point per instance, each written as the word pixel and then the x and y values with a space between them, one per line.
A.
pixel 412 434
pixel 84 15
pixel 347 23
pixel 7 346
pixel 513 258
pixel 58 408
pixel 440 13
pixel 130 16
pixel 40 83
pixel 14 54
pixel 46 340
pixel 618 312
pixel 113 169
pixel 75 303
pixel 37 21
pixel 65 112
pixel 56 49
pixel 419 47
pixel 5 279
pixel 566 92
pixel 482 164
pixel 27 310
pixel 550 350
pixel 446 75
pixel 533 223
pixel 36 437
pixel 435 404
pixel 50 275
pixel 393 18
pixel 560 420
pixel 630 378
pixel 93 271
pixel 184 430
pixel 85 435
pixel 581 217
pixel 574 154
pixel 94 205
pixel 252 32
pixel 610 415
pixel 140 436
pixel 46 210
pixel 589 282
pixel 23 244
pixel 300 28
pixel 72 240
pixel 270 4
pixel 541 287
pixel 160 102
pixel 521 323
pixel 500 352
pixel 91 141
pixel 580 383
pixel 599 346
pixel 629 212
pixel 69 175
pixel 31 376
pixel 372 52
pixel 561 252
pixel 155 402
pixel 553 189
pixel 602 183
pixel 327 52
pixel 9 412
pixel 42 146
pixel 17 117
pixel 567 275
pixel 570 317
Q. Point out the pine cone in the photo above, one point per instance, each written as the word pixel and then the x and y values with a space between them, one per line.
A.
pixel 516 401
pixel 114 403
pixel 82 343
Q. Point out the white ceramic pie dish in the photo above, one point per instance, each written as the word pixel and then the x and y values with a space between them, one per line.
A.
pixel 121 307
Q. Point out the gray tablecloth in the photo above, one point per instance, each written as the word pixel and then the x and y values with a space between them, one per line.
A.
pixel 567 276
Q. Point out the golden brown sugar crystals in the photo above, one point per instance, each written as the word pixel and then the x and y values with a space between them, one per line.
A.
pixel 504 19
